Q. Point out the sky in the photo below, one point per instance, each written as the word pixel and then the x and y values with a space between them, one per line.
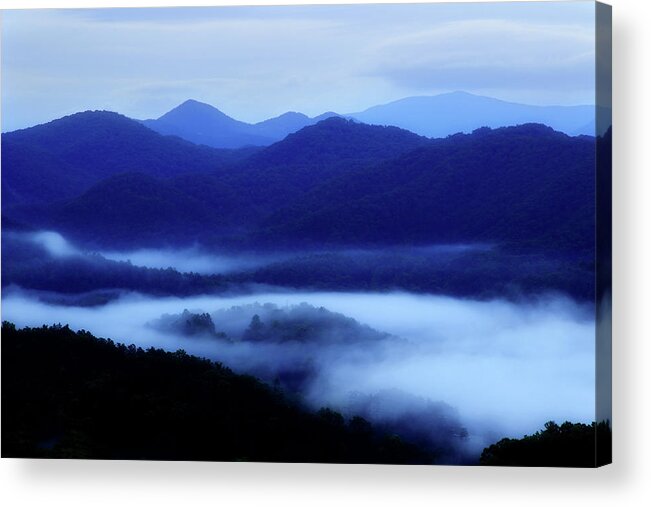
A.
pixel 254 63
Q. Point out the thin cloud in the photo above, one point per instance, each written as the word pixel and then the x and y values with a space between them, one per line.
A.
pixel 257 63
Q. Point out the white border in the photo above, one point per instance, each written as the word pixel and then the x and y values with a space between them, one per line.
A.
pixel 627 482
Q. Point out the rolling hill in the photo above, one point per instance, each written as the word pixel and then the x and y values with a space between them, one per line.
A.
pixel 525 184
pixel 338 182
pixel 63 158
pixel 284 171
pixel 173 203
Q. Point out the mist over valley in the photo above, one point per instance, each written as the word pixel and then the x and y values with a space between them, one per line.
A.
pixel 500 368
pixel 442 289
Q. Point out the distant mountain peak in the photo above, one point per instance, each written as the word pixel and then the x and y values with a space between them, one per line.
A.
pixel 327 114
pixel 289 116
pixel 201 123
pixel 293 114
pixel 458 93
pixel 193 107
pixel 460 111
pixel 192 103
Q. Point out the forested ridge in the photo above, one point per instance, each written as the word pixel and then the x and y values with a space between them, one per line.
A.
pixel 67 394
pixel 565 445
pixel 337 183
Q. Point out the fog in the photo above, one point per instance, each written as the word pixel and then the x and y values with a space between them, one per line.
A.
pixel 501 368
pixel 198 259
pixel 189 259
pixel 192 259
pixel 53 243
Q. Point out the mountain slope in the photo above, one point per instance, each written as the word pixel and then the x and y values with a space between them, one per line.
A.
pixel 61 159
pixel 129 209
pixel 68 394
pixel 449 113
pixel 337 140
pixel 33 175
pixel 312 156
pixel 525 185
pixel 341 182
pixel 136 208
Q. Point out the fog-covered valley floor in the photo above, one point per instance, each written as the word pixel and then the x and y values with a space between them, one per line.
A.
pixel 435 365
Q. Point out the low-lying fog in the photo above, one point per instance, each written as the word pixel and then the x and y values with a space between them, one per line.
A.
pixel 203 261
pixel 506 367
pixel 190 259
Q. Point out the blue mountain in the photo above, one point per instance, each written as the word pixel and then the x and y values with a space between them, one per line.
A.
pixel 429 116
pixel 204 124
pixel 451 113
pixel 527 184
pixel 64 157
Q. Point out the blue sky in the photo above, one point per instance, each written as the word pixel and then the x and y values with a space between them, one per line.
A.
pixel 257 62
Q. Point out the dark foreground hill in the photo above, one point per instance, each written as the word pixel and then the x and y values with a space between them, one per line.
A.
pixel 71 395
pixel 567 445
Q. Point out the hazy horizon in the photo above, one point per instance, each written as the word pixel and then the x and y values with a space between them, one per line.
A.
pixel 309 59
pixel 189 99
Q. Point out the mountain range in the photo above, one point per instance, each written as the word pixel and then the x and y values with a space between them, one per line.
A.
pixel 449 113
pixel 524 184
pixel 106 180
pixel 430 116
pixel 204 124
pixel 60 159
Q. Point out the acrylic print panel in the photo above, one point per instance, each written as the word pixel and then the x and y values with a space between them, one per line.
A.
pixel 343 234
